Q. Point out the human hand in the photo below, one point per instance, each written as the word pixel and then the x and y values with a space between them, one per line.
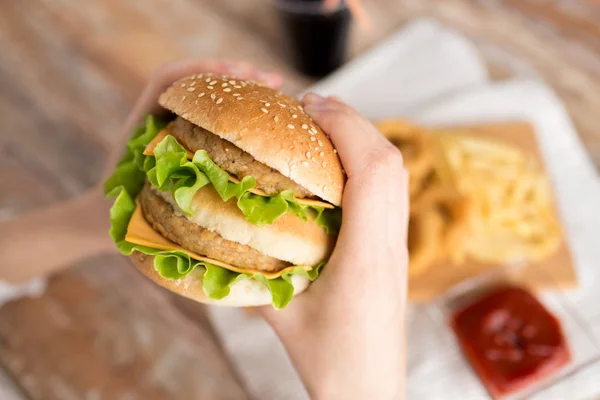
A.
pixel 345 335
pixel 78 228
pixel 168 73
pixel 356 8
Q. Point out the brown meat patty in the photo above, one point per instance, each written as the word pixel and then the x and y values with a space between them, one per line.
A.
pixel 193 237
pixel 232 159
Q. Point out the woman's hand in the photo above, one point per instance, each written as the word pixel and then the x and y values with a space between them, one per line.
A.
pixel 46 240
pixel 345 335
pixel 168 73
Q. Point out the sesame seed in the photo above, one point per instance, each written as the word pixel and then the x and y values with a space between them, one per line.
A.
pixel 334 151
pixel 304 126
pixel 276 119
pixel 263 101
pixel 220 100
pixel 295 116
pixel 290 126
pixel 268 104
pixel 191 89
pixel 312 139
pixel 201 94
pixel 193 83
pixel 324 163
pixel 313 130
pixel 183 98
pixel 183 85
pixel 224 84
pixel 210 87
pixel 300 108
pixel 207 79
pixel 282 105
pixel 227 89
pixel 316 148
pixel 305 163
pixel 320 143
pixel 308 154
pixel 232 82
pixel 291 147
pixel 240 98
pixel 237 87
pixel 213 96
pixel 322 154
pixel 264 110
pixel 226 150
pixel 213 83
pixel 236 94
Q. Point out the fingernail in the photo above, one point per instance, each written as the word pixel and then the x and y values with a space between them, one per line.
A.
pixel 262 76
pixel 313 98
pixel 236 67
pixel 268 78
pixel 231 69
pixel 313 101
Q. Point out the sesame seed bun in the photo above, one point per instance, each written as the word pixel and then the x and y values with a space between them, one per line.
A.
pixel 245 293
pixel 270 126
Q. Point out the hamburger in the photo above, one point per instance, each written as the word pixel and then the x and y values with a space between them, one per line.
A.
pixel 234 199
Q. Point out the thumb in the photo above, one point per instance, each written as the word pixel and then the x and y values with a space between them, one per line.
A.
pixel 376 195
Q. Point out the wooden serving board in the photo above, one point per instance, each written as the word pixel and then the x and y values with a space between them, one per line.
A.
pixel 554 273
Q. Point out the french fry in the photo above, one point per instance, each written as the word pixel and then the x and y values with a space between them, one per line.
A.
pixel 512 217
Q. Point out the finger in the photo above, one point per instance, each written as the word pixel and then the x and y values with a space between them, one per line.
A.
pixel 375 196
pixel 169 73
pixel 245 70
pixel 359 13
pixel 164 76
pixel 330 5
pixel 354 137
pixel 406 207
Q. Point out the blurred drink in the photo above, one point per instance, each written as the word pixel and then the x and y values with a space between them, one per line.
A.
pixel 316 39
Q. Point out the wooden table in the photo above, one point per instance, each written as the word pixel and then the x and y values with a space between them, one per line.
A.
pixel 69 72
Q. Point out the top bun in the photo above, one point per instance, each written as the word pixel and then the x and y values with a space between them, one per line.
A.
pixel 270 126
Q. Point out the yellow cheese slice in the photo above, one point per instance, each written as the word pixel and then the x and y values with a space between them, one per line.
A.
pixel 149 151
pixel 141 233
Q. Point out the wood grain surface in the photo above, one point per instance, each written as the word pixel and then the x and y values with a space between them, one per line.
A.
pixel 69 73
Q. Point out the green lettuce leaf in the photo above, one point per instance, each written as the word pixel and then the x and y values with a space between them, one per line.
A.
pixel 130 171
pixel 174 173
pixel 174 264
pixel 329 219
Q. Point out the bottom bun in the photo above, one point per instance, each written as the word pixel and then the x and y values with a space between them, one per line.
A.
pixel 244 293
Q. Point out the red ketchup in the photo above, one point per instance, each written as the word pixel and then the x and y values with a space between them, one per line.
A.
pixel 510 339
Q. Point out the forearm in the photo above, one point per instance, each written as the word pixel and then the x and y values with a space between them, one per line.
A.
pixel 46 240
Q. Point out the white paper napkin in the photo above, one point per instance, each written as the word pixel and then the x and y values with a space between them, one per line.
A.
pixel 33 288
pixel 435 76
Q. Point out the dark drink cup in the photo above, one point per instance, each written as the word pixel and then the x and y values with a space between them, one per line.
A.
pixel 316 39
